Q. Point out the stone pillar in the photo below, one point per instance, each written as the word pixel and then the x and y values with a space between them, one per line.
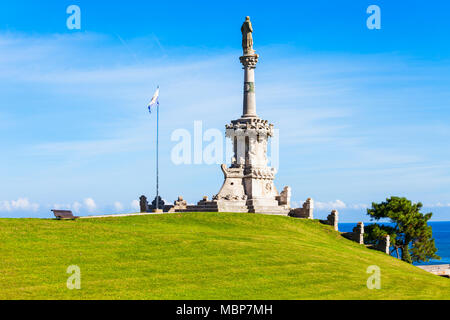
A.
pixel 358 233
pixel 385 244
pixel 309 208
pixel 284 199
pixel 143 203
pixel 333 219
pixel 249 64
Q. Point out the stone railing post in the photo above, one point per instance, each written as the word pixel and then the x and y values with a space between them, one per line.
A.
pixel 333 219
pixel 309 208
pixel 358 233
pixel 385 244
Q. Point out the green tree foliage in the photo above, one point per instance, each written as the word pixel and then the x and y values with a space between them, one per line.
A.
pixel 410 234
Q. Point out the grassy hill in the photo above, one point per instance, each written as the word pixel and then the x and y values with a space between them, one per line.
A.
pixel 198 256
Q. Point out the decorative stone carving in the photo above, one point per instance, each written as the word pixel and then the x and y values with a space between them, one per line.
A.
pixel 252 127
pixel 249 62
pixel 232 188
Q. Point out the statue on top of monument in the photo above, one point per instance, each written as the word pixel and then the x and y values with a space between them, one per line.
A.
pixel 247 38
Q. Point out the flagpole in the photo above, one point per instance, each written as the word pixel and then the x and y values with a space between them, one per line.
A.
pixel 157 155
pixel 150 106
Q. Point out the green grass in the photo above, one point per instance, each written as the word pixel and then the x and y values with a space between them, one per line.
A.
pixel 198 256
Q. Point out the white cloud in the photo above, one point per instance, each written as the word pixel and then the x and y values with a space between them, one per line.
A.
pixel 296 204
pixel 437 205
pixel 59 206
pixel 89 204
pixel 118 206
pixel 135 205
pixel 338 204
pixel 359 206
pixel 21 204
pixel 76 206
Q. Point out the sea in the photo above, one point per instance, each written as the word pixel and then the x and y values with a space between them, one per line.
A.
pixel 441 235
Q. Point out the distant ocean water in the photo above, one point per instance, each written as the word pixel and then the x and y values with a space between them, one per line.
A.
pixel 441 235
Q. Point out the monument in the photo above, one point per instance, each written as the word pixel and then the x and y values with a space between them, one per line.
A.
pixel 249 181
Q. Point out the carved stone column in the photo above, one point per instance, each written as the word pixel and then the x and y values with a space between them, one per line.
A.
pixel 249 64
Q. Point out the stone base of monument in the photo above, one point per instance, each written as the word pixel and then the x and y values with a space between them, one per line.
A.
pixel 280 206
pixel 206 205
pixel 269 210
pixel 266 206
pixel 215 206
pixel 240 206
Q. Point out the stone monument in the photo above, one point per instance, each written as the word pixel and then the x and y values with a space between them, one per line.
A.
pixel 249 181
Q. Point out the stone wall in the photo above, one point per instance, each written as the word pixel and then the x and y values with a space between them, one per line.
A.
pixel 442 270
pixel 305 212
pixel 357 235
pixel 332 220
pixel 284 199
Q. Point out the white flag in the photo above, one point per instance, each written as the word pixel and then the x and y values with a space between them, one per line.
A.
pixel 154 100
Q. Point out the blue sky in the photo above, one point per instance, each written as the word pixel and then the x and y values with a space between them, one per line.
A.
pixel 363 114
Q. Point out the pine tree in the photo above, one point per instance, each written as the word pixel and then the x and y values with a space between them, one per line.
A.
pixel 410 234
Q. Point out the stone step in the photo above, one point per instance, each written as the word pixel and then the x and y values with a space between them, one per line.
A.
pixel 268 210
